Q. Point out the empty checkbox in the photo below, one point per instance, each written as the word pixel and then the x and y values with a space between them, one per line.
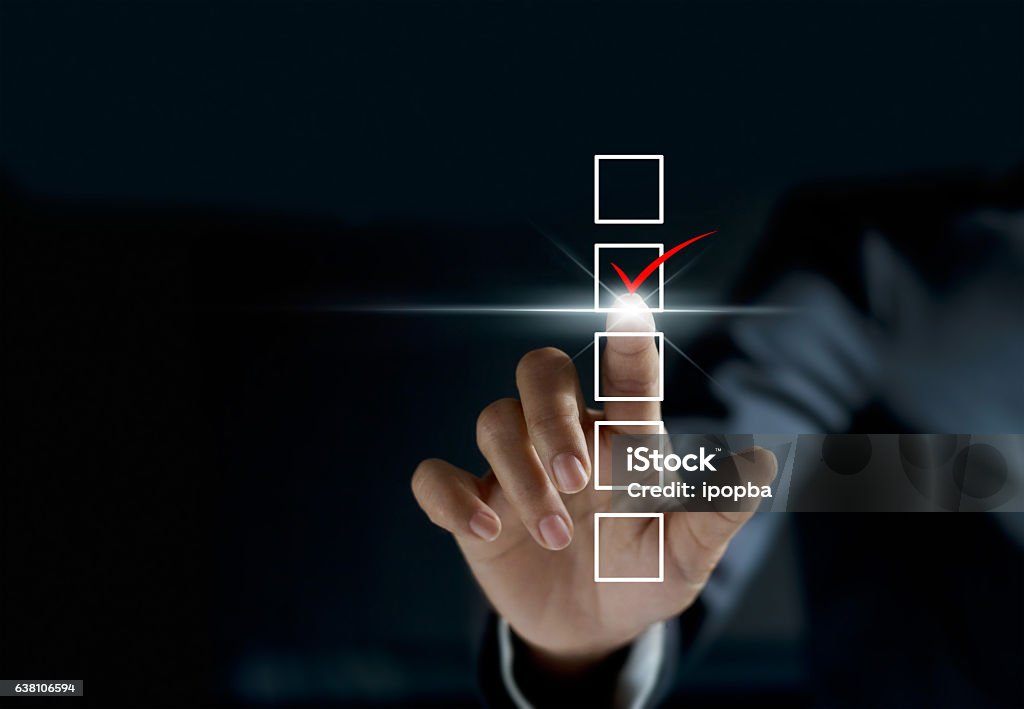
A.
pixel 628 569
pixel 629 189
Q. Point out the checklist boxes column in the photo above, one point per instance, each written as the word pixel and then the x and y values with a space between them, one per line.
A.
pixel 628 189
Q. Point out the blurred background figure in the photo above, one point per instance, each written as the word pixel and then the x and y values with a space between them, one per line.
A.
pixel 908 323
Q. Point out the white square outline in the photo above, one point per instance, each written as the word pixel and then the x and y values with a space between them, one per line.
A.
pixel 661 366
pixel 597 189
pixel 597 450
pixel 597 275
pixel 660 578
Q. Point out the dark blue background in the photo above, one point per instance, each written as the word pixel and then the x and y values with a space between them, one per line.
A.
pixel 243 161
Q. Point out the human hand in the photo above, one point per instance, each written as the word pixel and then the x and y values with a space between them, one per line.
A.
pixel 525 528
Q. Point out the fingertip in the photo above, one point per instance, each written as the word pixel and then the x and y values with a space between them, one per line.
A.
pixel 630 313
pixel 631 301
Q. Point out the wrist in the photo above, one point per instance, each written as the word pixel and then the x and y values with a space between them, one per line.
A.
pixel 565 678
pixel 571 661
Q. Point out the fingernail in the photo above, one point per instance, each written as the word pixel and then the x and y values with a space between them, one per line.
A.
pixel 555 532
pixel 485 525
pixel 569 472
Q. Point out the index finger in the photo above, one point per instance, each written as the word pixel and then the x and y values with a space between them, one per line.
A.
pixel 631 364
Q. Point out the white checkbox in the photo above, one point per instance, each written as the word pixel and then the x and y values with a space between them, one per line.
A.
pixel 659 336
pixel 598 578
pixel 620 425
pixel 656 251
pixel 597 189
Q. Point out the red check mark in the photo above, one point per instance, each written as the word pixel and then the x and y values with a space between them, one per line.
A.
pixel 631 286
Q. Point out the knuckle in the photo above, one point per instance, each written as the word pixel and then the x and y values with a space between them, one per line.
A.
pixel 698 569
pixel 494 421
pixel 426 488
pixel 629 383
pixel 702 571
pixel 422 476
pixel 560 421
pixel 544 358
